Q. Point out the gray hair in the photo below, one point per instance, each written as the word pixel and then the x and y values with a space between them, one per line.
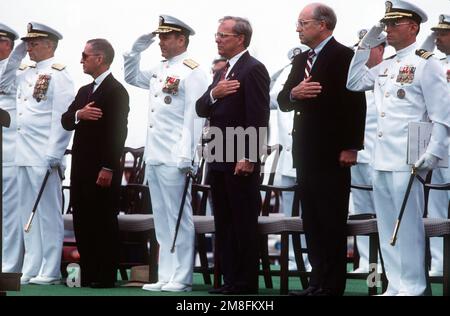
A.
pixel 326 14
pixel 104 47
pixel 242 27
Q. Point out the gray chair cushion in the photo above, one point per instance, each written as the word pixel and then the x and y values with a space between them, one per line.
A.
pixel 436 227
pixel 204 224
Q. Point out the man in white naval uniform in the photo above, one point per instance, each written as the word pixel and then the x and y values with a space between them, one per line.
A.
pixel 285 172
pixel 12 230
pixel 173 132
pixel 44 91
pixel 438 200
pixel 362 172
pixel 408 87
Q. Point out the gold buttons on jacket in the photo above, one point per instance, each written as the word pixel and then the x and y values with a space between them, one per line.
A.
pixel 380 134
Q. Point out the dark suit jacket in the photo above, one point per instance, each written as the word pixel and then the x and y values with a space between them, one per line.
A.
pixel 330 123
pixel 98 144
pixel 248 107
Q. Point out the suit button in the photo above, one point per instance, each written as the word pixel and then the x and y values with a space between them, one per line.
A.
pixel 153 110
pixel 20 114
pixel 387 94
pixel 18 128
pixel 298 113
pixel 383 114
pixel 290 134
pixel 25 99
pixel 293 131
pixel 156 95
pixel 288 148
pixel 151 126
pixel 380 134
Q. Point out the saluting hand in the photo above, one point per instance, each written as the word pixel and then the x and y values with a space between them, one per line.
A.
pixel 224 88
pixel 89 113
pixel 306 89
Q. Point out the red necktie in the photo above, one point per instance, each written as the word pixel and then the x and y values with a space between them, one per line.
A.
pixel 309 63
pixel 224 71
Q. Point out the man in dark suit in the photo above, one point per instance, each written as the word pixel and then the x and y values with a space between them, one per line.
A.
pixel 237 98
pixel 99 117
pixel 328 131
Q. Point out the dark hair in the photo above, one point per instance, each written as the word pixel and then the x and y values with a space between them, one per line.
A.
pixel 104 47
pixel 325 13
pixel 242 27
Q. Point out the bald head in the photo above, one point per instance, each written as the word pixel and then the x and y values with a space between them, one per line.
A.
pixel 316 22
pixel 324 13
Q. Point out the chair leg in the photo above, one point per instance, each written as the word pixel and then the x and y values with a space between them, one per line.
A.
pixel 123 274
pixel 284 264
pixel 153 258
pixel 297 245
pixel 446 282
pixel 201 247
pixel 217 273
pixel 264 255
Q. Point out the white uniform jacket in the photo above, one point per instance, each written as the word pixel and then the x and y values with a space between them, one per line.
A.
pixel 407 88
pixel 44 92
pixel 173 129
pixel 8 103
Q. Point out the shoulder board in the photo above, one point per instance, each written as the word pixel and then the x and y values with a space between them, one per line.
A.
pixel 423 53
pixel 390 57
pixel 32 66
pixel 445 58
pixel 190 63
pixel 58 67
pixel 23 66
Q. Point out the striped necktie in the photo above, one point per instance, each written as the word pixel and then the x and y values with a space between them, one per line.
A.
pixel 309 63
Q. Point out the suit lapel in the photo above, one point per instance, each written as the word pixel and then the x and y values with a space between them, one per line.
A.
pixel 234 72
pixel 325 56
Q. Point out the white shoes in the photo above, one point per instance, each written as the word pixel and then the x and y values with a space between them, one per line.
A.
pixel 176 287
pixel 43 280
pixel 154 286
pixel 25 279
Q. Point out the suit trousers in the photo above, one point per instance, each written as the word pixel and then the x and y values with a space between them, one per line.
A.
pixel 324 194
pixel 12 229
pixel 166 185
pixel 362 204
pixel 404 263
pixel 236 205
pixel 96 231
pixel 43 244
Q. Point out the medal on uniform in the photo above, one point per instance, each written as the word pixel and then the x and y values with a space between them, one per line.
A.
pixel 401 93
pixel 171 85
pixel 406 74
pixel 167 99
pixel 41 87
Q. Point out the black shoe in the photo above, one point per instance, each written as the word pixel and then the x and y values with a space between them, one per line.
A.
pixel 220 290
pixel 102 285
pixel 323 292
pixel 239 291
pixel 309 291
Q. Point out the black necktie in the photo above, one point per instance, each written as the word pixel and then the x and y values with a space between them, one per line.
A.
pixel 90 91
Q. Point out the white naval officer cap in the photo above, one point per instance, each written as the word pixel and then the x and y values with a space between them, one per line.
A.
pixel 444 23
pixel 380 39
pixel 6 31
pixel 169 23
pixel 397 9
pixel 39 30
pixel 294 51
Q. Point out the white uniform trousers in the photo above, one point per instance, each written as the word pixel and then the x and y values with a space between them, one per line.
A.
pixel 43 244
pixel 166 189
pixel 438 208
pixel 286 201
pixel 405 262
pixel 12 229
pixel 362 204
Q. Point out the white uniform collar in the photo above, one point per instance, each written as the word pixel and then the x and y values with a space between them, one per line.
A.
pixel 45 63
pixel 407 50
pixel 177 58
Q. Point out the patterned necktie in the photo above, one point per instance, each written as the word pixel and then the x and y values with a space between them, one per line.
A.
pixel 309 63
pixel 224 71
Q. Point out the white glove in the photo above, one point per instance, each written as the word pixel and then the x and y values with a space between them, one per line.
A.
pixel 143 42
pixel 8 76
pixel 430 42
pixel 185 166
pixel 53 162
pixel 427 162
pixel 370 40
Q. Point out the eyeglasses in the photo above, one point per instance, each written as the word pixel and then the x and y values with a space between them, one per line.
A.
pixel 84 56
pixel 224 35
pixel 394 24
pixel 303 23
